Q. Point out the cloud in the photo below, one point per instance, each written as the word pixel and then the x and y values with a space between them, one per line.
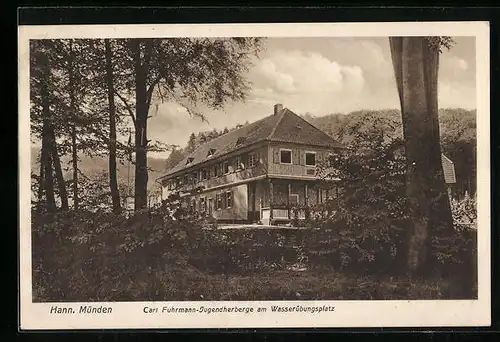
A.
pixel 457 63
pixel 453 67
pixel 456 95
pixel 462 64
pixel 303 78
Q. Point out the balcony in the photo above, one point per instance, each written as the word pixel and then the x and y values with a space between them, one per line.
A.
pixel 229 178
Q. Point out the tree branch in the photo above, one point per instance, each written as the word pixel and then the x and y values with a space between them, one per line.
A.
pixel 127 106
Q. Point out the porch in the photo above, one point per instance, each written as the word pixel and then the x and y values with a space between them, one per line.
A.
pixel 285 200
pixel 280 213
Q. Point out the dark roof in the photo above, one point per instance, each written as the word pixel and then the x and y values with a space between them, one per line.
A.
pixel 284 126
pixel 448 170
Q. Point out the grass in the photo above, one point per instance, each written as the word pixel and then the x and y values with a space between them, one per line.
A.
pixel 178 284
pixel 118 260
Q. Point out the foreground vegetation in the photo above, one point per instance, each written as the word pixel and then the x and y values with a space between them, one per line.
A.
pixel 357 249
pixel 82 256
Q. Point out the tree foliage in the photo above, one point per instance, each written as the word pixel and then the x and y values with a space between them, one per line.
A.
pixel 193 72
pixel 457 128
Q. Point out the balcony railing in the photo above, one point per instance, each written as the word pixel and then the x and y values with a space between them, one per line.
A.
pixel 224 179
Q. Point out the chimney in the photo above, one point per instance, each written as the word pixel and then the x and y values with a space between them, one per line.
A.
pixel 278 108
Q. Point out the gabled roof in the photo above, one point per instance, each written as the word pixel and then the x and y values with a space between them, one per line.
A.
pixel 448 170
pixel 284 126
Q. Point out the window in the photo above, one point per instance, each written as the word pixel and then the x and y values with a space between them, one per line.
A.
pixel 202 204
pixel 229 199
pixel 285 156
pixel 204 174
pixel 186 178
pixel 240 141
pixel 211 152
pixel 218 201
pixel 194 177
pixel 226 167
pixel 177 182
pixel 251 160
pixel 237 163
pixel 310 158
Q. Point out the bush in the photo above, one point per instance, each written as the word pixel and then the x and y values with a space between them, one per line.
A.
pixel 102 255
pixel 464 212
pixel 370 216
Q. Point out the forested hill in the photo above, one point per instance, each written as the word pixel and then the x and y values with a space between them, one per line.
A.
pixel 457 128
pixel 92 166
pixel 455 124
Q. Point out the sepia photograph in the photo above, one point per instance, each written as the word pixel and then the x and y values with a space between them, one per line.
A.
pixel 230 176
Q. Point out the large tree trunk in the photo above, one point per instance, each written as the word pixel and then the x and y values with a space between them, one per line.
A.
pixel 74 151
pixel 113 180
pixel 141 161
pixel 45 158
pixel 416 70
pixel 56 161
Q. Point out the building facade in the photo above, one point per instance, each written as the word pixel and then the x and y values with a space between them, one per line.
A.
pixel 257 172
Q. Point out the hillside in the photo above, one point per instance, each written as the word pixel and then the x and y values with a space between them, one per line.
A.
pixel 457 123
pixel 457 128
pixel 93 166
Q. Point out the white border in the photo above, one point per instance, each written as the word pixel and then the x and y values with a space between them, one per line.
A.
pixel 347 313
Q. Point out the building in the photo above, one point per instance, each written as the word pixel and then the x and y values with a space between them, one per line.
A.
pixel 260 171
pixel 257 172
pixel 449 173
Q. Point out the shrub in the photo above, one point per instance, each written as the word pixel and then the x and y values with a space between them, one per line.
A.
pixel 369 217
pixel 464 212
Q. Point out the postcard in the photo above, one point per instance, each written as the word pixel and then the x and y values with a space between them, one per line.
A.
pixel 254 175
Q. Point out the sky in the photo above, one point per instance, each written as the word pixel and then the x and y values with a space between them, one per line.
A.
pixel 321 76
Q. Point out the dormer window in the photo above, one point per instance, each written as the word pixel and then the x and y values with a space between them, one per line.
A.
pixel 211 152
pixel 189 160
pixel 240 141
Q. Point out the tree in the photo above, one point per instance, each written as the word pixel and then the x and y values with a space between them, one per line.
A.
pixel 188 71
pixel 47 153
pixel 43 86
pixel 416 64
pixel 366 207
pixel 173 159
pixel 191 145
pixel 73 112
pixel 113 179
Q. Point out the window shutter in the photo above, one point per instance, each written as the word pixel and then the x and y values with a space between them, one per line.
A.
pixel 302 158
pixel 296 156
pixel 276 155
